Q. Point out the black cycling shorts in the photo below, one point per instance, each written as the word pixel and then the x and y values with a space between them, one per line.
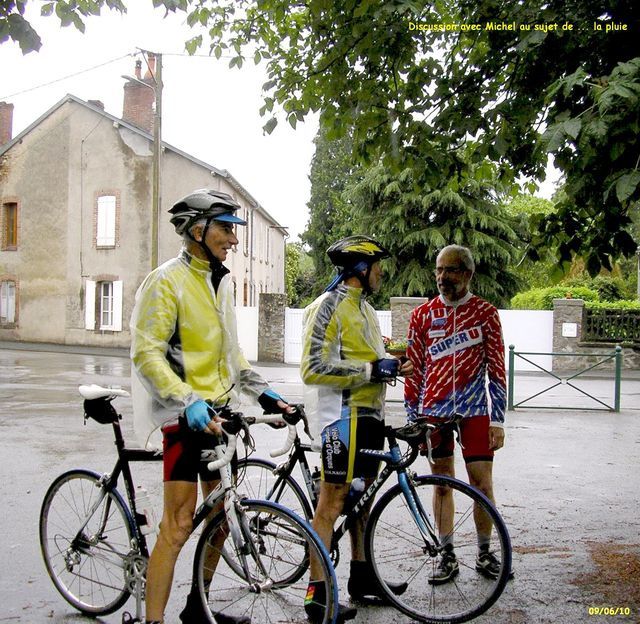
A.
pixel 341 442
pixel 181 454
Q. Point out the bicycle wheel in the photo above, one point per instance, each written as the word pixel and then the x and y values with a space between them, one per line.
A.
pixel 257 479
pixel 85 539
pixel 274 555
pixel 398 553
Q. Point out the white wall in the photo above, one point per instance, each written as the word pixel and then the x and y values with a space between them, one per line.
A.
pixel 527 330
pixel 248 331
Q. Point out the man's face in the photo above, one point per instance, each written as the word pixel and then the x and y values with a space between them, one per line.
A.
pixel 375 277
pixel 451 276
pixel 220 239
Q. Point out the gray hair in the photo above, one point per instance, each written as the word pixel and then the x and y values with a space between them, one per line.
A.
pixel 464 253
pixel 188 232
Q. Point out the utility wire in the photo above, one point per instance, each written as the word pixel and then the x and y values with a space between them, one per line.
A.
pixel 83 71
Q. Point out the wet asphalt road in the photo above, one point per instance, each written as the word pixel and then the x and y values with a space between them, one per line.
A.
pixel 566 480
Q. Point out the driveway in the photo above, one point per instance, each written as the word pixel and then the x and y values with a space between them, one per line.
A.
pixel 566 484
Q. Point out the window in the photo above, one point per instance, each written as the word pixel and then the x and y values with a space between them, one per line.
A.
pixel 267 236
pixel 103 305
pixel 106 221
pixel 10 226
pixel 7 302
pixel 245 216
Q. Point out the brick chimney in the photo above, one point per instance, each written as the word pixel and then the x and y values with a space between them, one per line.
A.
pixel 138 99
pixel 6 122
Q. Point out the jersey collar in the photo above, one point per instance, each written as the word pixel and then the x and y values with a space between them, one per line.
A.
pixel 455 304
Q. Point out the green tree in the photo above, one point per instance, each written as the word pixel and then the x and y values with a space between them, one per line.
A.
pixel 14 26
pixel 299 276
pixel 415 97
pixel 527 210
pixel 414 224
pixel 412 98
pixel 329 213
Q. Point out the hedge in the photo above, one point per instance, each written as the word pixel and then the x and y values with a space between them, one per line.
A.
pixel 542 298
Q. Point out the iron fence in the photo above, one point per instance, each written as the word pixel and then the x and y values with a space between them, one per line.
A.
pixel 602 325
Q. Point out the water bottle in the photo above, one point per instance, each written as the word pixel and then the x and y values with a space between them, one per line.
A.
pixel 355 492
pixel 146 514
pixel 315 482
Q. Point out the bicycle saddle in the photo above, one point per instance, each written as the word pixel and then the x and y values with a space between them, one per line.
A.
pixel 93 391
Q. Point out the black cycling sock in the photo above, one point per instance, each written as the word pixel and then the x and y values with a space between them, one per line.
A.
pixel 316 592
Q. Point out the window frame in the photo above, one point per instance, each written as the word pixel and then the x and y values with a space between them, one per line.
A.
pixel 110 238
pixel 4 322
pixel 94 304
pixel 10 240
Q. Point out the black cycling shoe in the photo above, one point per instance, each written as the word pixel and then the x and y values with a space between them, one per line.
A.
pixel 194 613
pixel 363 586
pixel 315 613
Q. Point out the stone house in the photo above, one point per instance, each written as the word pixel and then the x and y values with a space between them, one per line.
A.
pixel 75 220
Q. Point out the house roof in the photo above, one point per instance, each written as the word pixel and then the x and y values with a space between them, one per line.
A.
pixel 117 120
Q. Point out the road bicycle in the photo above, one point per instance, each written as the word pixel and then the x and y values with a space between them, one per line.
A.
pixel 250 559
pixel 404 536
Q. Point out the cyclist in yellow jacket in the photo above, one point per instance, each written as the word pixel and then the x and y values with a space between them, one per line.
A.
pixel 344 368
pixel 186 357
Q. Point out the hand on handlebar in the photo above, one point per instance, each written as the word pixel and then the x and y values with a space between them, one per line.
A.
pixel 202 417
pixel 385 369
pixel 272 403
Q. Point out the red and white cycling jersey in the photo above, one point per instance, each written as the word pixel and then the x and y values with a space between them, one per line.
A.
pixel 458 357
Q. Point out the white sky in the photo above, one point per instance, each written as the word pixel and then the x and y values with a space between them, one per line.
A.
pixel 209 110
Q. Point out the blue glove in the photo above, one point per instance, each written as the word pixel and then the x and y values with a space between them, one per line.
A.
pixel 269 402
pixel 198 415
pixel 385 369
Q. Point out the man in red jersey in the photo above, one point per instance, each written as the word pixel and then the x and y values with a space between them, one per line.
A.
pixel 456 347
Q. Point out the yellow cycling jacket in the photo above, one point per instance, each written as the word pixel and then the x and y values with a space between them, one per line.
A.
pixel 184 345
pixel 341 337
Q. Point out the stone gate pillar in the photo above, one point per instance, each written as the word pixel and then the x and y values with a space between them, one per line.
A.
pixel 567 331
pixel 271 315
pixel 401 309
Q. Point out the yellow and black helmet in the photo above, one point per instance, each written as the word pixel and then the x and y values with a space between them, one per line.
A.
pixel 352 250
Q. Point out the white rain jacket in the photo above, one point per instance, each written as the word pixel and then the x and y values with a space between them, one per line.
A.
pixel 184 346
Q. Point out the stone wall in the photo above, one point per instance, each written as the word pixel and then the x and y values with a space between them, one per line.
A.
pixel 401 309
pixel 568 318
pixel 271 316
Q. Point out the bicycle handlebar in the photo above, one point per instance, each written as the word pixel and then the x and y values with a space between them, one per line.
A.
pixel 234 422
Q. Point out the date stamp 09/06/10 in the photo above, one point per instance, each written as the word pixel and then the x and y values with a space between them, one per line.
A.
pixel 609 610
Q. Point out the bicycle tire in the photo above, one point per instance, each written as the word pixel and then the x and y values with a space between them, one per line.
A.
pixel 259 481
pixel 88 569
pixel 278 544
pixel 398 554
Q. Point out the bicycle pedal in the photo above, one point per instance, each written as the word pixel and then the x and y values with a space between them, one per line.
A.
pixel 127 618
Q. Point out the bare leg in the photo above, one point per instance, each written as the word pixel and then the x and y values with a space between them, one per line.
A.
pixel 443 505
pixel 481 476
pixel 177 522
pixel 330 504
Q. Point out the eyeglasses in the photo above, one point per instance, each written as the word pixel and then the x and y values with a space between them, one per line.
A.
pixel 450 270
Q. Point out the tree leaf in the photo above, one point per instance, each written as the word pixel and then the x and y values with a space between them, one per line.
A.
pixel 270 125
pixel 627 185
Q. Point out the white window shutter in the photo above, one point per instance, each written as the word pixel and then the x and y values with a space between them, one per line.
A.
pixel 117 305
pixel 90 305
pixel 106 225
